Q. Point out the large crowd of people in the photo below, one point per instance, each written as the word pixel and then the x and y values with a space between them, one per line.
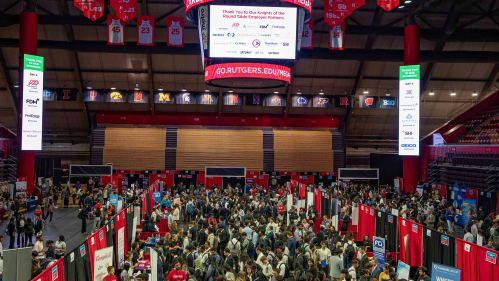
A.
pixel 225 233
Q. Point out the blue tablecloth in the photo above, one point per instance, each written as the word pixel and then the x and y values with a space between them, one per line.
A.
pixel 31 205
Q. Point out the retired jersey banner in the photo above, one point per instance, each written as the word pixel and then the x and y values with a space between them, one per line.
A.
pixel 337 37
pixel 115 30
pixel 164 97
pixel 307 39
pixel 145 30
pixel 233 99
pixel 322 101
pixel 254 99
pixel 175 34
pixel 275 100
pixel 388 102
pixel 343 101
pixel 93 95
pixel 65 94
pixel 115 96
pixel 368 102
pixel 301 101
pixel 185 98
pixel 388 5
pixel 126 9
pixel 138 96
pixel 208 98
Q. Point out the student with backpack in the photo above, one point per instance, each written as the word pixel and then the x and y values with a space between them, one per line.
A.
pixel 282 267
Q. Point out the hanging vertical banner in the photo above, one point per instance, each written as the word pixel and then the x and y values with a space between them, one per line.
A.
pixel 127 10
pixel 307 39
pixel 388 5
pixel 115 30
pixel 145 30
pixel 409 91
pixel 175 33
pixel 121 247
pixel 138 96
pixel 93 9
pixel 337 37
pixel 32 102
pixel 332 15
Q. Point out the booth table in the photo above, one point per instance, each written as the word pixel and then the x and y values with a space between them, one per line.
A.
pixel 32 204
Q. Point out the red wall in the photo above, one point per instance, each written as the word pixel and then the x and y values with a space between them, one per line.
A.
pixel 256 120
pixel 210 181
pixel 300 179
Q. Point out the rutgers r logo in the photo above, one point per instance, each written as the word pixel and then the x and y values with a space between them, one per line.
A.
pixel 369 101
pixel 33 83
pixel 344 101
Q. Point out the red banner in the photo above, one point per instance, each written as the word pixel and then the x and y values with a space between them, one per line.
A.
pixel 93 9
pixel 410 241
pixel 367 222
pixel 175 35
pixel 355 4
pixel 337 37
pixel 307 38
pixel 55 272
pixel 388 5
pixel 126 10
pixel 335 11
pixel 121 238
pixel 145 30
pixel 307 4
pixel 192 3
pixel 115 30
pixel 247 70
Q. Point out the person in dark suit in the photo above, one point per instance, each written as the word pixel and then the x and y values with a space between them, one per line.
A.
pixel 291 244
pixel 38 224
pixel 364 259
pixel 376 270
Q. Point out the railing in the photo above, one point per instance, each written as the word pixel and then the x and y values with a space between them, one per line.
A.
pixel 462 108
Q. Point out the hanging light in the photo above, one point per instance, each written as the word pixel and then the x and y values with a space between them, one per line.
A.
pixel 206 90
pixel 160 87
pixel 183 88
pixel 388 92
pixel 230 91
pixel 474 94
pixel 321 92
pixel 136 87
pixel 16 85
pixel 89 87
pixel 276 92
pixel 113 87
pixel 453 93
pixel 432 93
pixel 366 91
pixel 299 92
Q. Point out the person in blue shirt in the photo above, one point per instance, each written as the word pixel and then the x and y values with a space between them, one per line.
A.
pixel 254 238
pixel 291 245
pixel 164 202
pixel 449 217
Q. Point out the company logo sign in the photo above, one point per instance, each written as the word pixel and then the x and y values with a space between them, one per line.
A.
pixel 82 250
pixel 33 84
pixel 445 240
pixel 230 34
pixel 273 53
pixel 235 25
pixel 32 116
pixel 31 102
pixel 390 219
pixel 491 257
pixel 278 26
pixel 256 43
pixel 54 273
pixel 414 228
pixel 408 145
pixel 264 26
pixel 220 34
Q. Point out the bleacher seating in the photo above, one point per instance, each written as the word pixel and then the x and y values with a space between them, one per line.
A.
pixel 481 128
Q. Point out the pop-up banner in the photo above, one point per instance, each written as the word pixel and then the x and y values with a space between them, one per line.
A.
pixel 121 240
pixel 102 260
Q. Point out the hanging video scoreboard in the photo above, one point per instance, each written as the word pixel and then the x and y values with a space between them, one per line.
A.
pixel 409 89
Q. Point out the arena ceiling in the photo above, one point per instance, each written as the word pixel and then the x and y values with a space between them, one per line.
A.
pixel 459 53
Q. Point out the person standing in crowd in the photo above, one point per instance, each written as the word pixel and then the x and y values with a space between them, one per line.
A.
pixel 11 229
pixel 20 231
pixel 29 229
pixel 50 210
pixel 60 247
pixel 176 274
pixel 110 274
pixel 83 214
pixel 97 218
pixel 336 265
pixel 449 217
pixel 423 274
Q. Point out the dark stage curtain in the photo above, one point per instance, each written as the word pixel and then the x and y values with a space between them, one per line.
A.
pixel 110 238
pixel 186 181
pixel 129 225
pixel 391 233
pixel 381 223
pixel 280 180
pixel 325 180
pixel 438 248
pixel 489 204
pixel 232 181
pixel 44 167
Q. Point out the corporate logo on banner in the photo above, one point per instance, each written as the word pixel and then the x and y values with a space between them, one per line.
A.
pixel 233 99
pixel 390 219
pixel 409 87
pixel 388 102
pixel 368 102
pixel 101 235
pixel 138 96
pixel 445 240
pixel 82 250
pixel 54 273
pixel 115 96
pixel 491 257
pixel 164 97
pixel 442 272
pixel 414 228
pixel 93 95
pixel 208 98
pixel 185 98
pixel 300 101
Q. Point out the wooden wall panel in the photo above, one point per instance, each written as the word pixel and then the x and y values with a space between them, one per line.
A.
pixel 197 148
pixel 135 148
pixel 303 151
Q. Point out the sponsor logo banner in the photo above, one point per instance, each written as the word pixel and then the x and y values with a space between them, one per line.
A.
pixel 301 101
pixel 164 97
pixel 138 96
pixel 208 98
pixel 368 101
pixel 32 102
pixel 93 95
pixel 116 96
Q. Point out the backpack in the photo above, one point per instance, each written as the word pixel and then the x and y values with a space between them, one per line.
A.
pixel 234 248
pixel 290 262
pixel 350 251
pixel 29 227
pixel 190 208
pixel 80 215
pixel 272 260
pixel 286 271
pixel 250 248
pixel 215 241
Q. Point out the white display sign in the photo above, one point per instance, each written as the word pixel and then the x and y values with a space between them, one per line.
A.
pixel 32 103
pixel 409 110
pixel 253 32
pixel 102 260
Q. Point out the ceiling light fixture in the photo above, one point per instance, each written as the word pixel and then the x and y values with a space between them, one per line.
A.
pixel 276 92
pixel 401 7
pixel 183 88
pixel 474 94
pixel 453 93
pixel 432 93
pixel 407 2
pixel 299 92
pixel 160 87
pixel 16 85
pixel 321 92
pixel 89 87
pixel 136 87
pixel 206 90
pixel 230 91
pixel 388 92
pixel 113 87
pixel 366 91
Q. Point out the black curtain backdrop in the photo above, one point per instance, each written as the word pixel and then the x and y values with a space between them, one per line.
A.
pixel 111 238
pixel 391 233
pixel 387 172
pixel 225 171
pixel 136 178
pixel 83 260
pixel 489 204
pixel 232 181
pixel 44 167
pixel 326 180
pixel 282 180
pixel 129 225
pixel 70 271
pixel 381 224
pixel 186 181
pixel 438 248
pixel 93 170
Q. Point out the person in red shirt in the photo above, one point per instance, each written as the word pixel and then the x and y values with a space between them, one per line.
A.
pixel 110 274
pixel 176 274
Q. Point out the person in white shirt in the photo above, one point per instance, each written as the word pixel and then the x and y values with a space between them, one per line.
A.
pixel 273 224
pixel 323 254
pixel 351 270
pixel 266 267
pixel 259 257
pixel 234 245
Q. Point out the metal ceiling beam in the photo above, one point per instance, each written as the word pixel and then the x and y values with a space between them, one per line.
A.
pixel 10 85
pixel 490 82
pixel 9 7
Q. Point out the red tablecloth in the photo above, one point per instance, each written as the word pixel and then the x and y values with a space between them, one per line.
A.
pixel 163 225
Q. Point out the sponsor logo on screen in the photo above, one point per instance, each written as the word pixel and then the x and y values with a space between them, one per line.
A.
pixel 33 84
pixel 256 43
pixel 32 103
pixel 230 34
pixel 218 34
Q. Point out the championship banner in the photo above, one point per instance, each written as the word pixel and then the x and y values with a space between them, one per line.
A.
pixel 145 30
pixel 301 101
pixel 115 30
pixel 254 99
pixel 335 11
pixel 175 35
pixel 102 260
pixel 343 101
pixel 323 101
pixel 208 98
pixel 368 102
pixel 138 96
pixel 388 102
pixel 32 107
pixel 126 10
pixel 307 39
pixel 164 97
pixel 121 240
pixel 65 94
pixel 94 10
pixel 233 99
pixel 185 98
pixel 337 36
pixel 115 96
pixel 388 5
pixel 275 100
